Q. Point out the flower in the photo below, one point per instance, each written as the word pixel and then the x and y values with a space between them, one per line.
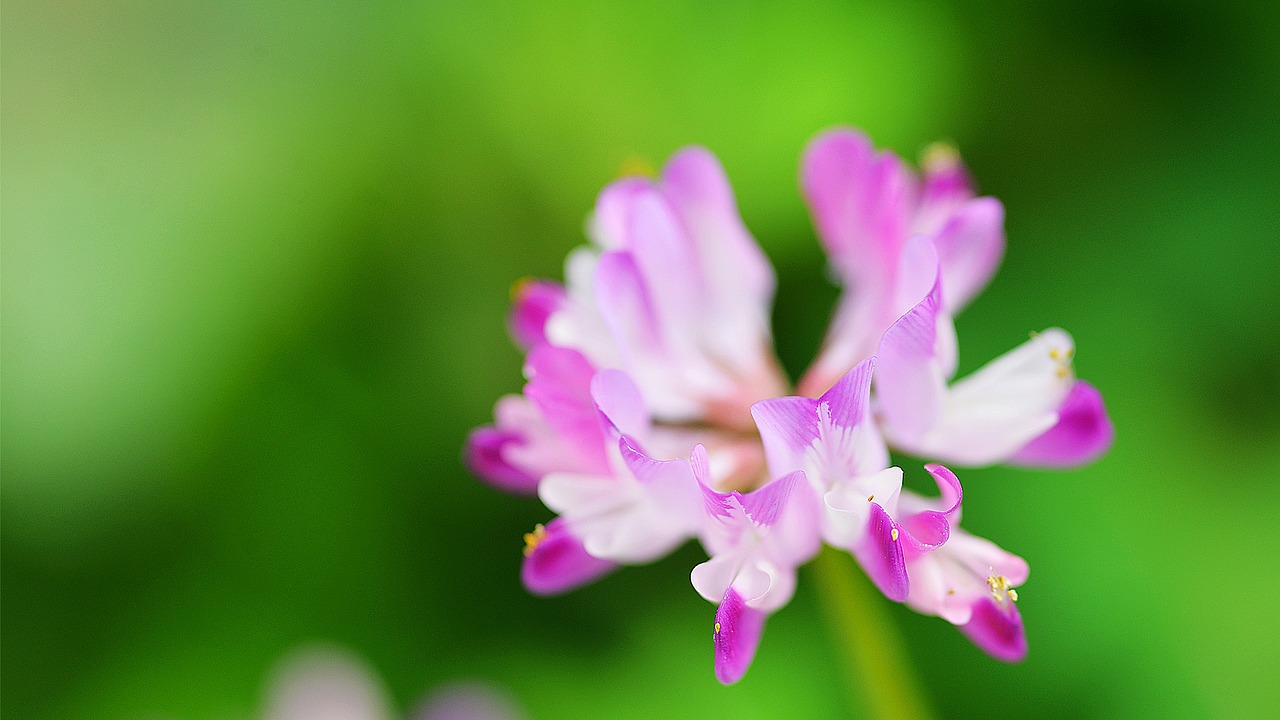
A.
pixel 655 412
pixel 330 683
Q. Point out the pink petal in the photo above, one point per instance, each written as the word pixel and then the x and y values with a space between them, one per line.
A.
pixel 484 457
pixel 1082 434
pixel 788 427
pixel 533 301
pixel 765 505
pixel 859 200
pixel 626 307
pixel 879 551
pixel 910 382
pixel 619 403
pixel 559 386
pixel 849 399
pixel 611 220
pixel 970 247
pixel 737 635
pixel 558 563
pixel 997 630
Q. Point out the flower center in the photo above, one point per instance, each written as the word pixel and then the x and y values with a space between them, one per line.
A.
pixel 1001 592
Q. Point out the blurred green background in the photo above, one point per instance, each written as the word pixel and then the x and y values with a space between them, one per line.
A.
pixel 255 272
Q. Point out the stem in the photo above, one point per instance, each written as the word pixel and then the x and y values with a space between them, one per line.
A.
pixel 877 667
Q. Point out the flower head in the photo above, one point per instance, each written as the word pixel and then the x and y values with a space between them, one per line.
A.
pixel 655 412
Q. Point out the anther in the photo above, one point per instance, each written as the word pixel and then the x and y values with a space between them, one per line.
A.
pixel 532 539
pixel 894 534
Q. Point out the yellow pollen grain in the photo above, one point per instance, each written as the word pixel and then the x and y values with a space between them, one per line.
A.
pixel 894 534
pixel 532 539
pixel 1013 595
pixel 1062 373
pixel 871 497
pixel 1055 353
pixel 717 627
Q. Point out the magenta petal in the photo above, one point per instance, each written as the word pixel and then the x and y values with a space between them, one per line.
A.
pixel 556 563
pixel 1083 432
pixel 997 630
pixel 879 551
pixel 532 302
pixel 737 635
pixel 765 504
pixel 850 397
pixel 559 386
pixel 483 455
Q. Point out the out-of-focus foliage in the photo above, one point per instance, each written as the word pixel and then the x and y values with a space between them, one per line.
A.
pixel 255 267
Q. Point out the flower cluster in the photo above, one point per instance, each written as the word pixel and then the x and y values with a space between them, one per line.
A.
pixel 655 411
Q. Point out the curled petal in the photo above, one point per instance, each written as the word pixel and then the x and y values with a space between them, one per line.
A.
pixel 996 628
pixel 484 456
pixel 1082 434
pixel 736 635
pixel 911 382
pixel 555 561
pixel 619 403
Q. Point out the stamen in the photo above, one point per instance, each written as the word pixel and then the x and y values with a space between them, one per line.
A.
pixel 1000 590
pixel 717 632
pixel 532 539
pixel 894 534
pixel 871 497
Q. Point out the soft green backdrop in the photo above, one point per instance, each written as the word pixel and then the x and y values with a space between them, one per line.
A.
pixel 255 269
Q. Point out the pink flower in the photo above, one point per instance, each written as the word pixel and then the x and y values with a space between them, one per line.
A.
pixel 655 412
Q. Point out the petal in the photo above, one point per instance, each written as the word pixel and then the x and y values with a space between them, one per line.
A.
pixel 625 304
pixel 559 382
pixel 788 428
pixel 737 635
pixel 712 578
pixel 326 684
pixel 484 457
pixel 468 701
pixel 849 399
pixel 990 415
pixel 532 303
pixel 997 631
pixel 910 378
pixel 577 495
pixel 1082 434
pixel 970 248
pixel 879 551
pixel 947 185
pixel 558 563
pixel 695 184
pixel 765 505
pixel 859 200
pixel 619 403
pixel 610 221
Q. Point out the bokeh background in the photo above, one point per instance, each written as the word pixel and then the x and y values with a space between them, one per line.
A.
pixel 256 260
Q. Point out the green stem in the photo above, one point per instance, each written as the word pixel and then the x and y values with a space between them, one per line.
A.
pixel 877 667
